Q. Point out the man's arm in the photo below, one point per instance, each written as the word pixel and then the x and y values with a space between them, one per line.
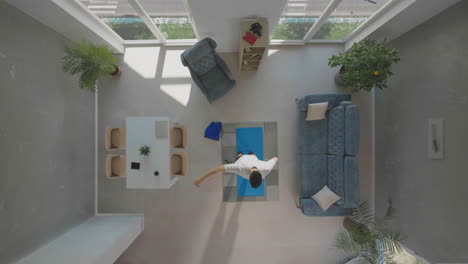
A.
pixel 208 174
pixel 269 165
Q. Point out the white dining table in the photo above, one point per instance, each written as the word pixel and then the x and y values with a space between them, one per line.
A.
pixel 154 171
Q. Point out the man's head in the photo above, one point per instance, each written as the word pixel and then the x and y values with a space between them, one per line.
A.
pixel 255 178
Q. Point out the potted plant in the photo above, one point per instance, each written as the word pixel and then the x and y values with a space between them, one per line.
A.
pixel 368 238
pixel 144 150
pixel 91 62
pixel 365 66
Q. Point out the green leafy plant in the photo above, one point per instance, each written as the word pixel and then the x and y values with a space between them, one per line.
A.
pixel 144 150
pixel 368 238
pixel 366 65
pixel 90 61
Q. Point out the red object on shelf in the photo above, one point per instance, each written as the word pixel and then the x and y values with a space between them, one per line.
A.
pixel 250 38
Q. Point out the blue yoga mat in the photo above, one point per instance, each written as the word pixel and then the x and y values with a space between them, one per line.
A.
pixel 249 139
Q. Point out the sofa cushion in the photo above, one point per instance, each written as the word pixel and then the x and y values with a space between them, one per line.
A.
pixel 336 131
pixel 351 130
pixel 325 198
pixel 312 174
pixel 351 183
pixel 335 176
pixel 332 99
pixel 316 111
pixel 310 207
pixel 312 136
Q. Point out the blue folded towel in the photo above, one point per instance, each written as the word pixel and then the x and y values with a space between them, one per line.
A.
pixel 213 131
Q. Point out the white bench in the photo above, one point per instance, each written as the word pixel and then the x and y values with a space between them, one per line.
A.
pixel 99 240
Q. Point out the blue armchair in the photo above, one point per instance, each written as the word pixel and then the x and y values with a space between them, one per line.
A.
pixel 209 72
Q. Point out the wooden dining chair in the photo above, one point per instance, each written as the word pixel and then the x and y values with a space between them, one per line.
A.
pixel 115 138
pixel 179 137
pixel 179 164
pixel 115 166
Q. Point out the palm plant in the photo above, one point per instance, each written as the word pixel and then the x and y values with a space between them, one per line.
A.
pixel 368 238
pixel 90 61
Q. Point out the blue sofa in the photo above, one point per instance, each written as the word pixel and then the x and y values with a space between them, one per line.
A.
pixel 327 154
pixel 209 72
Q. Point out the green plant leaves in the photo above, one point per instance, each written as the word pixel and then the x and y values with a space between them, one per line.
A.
pixel 90 61
pixel 367 65
pixel 367 237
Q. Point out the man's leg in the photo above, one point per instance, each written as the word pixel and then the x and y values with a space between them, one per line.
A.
pixel 251 153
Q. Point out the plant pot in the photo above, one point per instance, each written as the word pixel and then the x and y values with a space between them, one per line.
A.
pixel 338 79
pixel 117 72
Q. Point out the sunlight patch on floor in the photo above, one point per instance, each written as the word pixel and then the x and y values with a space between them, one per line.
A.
pixel 272 51
pixel 143 60
pixel 173 67
pixel 179 92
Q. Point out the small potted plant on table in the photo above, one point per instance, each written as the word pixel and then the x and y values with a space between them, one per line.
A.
pixel 365 66
pixel 144 151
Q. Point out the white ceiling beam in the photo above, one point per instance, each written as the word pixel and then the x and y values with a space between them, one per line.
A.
pixel 71 19
pixel 322 19
pixel 148 21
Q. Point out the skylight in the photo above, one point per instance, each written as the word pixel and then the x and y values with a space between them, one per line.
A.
pixel 171 17
pixel 347 17
pixel 144 19
pixel 338 18
pixel 298 17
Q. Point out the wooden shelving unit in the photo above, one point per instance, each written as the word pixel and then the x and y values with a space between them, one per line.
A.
pixel 250 56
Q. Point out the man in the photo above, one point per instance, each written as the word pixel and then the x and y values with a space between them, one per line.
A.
pixel 247 166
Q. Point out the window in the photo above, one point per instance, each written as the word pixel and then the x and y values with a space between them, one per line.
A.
pixel 298 17
pixel 347 17
pixel 171 17
pixel 120 16
pixel 129 18
pixel 324 19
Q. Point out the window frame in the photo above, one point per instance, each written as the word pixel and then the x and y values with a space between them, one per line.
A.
pixel 160 38
pixel 327 12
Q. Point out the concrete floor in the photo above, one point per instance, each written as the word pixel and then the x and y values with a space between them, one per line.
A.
pixel 46 138
pixel 190 225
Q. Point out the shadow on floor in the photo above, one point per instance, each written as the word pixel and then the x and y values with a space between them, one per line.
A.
pixel 223 235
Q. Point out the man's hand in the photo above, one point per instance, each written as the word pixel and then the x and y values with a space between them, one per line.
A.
pixel 276 159
pixel 197 183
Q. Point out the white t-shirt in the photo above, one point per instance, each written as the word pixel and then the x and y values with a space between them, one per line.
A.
pixel 243 165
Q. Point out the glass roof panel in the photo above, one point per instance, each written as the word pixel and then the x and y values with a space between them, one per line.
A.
pixel 121 17
pixel 298 17
pixel 347 17
pixel 171 17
